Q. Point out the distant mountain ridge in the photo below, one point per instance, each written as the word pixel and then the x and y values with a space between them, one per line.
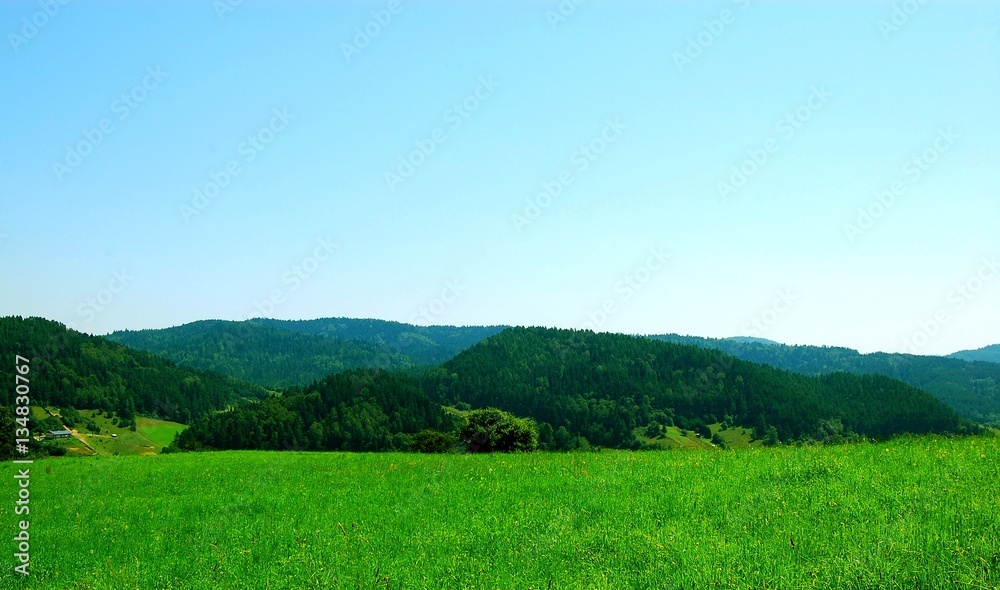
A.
pixel 280 353
pixel 989 354
pixel 425 345
pixel 277 353
pixel 255 351
pixel 971 388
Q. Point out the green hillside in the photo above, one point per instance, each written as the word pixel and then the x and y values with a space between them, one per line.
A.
pixel 971 388
pixel 358 410
pixel 259 353
pixel 425 345
pixel 603 386
pixel 71 369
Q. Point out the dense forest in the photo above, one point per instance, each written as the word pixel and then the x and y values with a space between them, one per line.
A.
pixel 358 410
pixel 280 353
pixel 425 345
pixel 262 354
pixel 971 388
pixel 71 369
pixel 602 386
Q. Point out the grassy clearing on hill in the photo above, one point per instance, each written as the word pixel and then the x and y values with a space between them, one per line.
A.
pixel 149 438
pixel 912 513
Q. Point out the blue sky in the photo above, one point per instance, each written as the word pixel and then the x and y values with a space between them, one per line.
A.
pixel 528 163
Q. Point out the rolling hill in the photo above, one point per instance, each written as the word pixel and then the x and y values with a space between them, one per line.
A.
pixel 68 368
pixel 425 345
pixel 254 351
pixel 971 388
pixel 603 386
pixel 989 354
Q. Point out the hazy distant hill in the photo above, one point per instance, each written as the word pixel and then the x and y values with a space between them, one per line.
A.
pixel 257 352
pixel 427 345
pixel 971 388
pixel 602 386
pixel 990 354
pixel 68 368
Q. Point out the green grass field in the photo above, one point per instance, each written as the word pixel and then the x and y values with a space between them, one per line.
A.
pixel 915 513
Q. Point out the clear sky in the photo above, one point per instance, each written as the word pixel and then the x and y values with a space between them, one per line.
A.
pixel 642 167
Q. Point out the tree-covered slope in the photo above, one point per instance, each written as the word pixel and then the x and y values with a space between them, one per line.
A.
pixel 971 388
pixel 358 410
pixel 256 352
pixel 69 368
pixel 602 386
pixel 426 345
pixel 989 354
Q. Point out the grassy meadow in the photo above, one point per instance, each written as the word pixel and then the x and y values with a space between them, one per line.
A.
pixel 912 513
pixel 149 437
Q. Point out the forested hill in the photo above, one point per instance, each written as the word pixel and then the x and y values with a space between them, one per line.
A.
pixel 259 353
pixel 425 345
pixel 971 388
pixel 358 410
pixel 990 354
pixel 602 386
pixel 69 368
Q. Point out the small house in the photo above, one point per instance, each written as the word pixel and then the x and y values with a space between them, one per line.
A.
pixel 60 433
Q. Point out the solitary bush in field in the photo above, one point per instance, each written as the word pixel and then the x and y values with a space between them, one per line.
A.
pixel 432 441
pixel 492 430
